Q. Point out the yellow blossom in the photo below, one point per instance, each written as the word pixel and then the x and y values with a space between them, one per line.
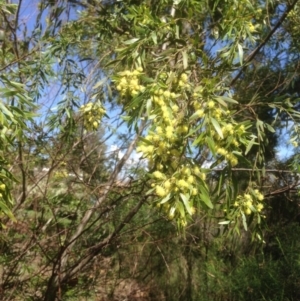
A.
pixel 248 197
pixel 191 179
pixel 168 184
pixel 184 77
pixel 249 203
pixel 182 184
pixel 158 175
pixel 248 211
pixel 199 113
pixel 196 170
pixel 210 104
pixel 295 143
pixel 160 191
pixel 175 108
pixel 259 207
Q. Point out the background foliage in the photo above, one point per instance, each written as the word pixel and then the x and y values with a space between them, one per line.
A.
pixel 142 150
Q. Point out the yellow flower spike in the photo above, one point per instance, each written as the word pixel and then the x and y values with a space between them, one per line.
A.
pixel 182 184
pixel 211 104
pixel 259 207
pixel 168 184
pixel 186 171
pixel 233 160
pixel 183 223
pixel 194 191
pixel 248 197
pixel 167 94
pixel 196 170
pixel 199 113
pixel 248 203
pixel 150 149
pixel 2 186
pixel 159 130
pixel 158 175
pixel 123 81
pixel 184 77
pixel 173 95
pixel 242 129
pixel 251 27
pixel 260 197
pixel 221 151
pixel 184 129
pixel 248 211
pixel 193 210
pixel 175 108
pixel 155 138
pixel 135 73
pixel 181 83
pixel 203 176
pixel 191 179
pixel 197 105
pixel 169 135
pixel 160 191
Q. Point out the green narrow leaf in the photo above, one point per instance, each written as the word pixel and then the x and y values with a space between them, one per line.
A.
pixel 131 41
pixel 228 99
pixel 186 203
pixel 211 145
pixel 249 146
pixel 6 211
pixel 224 223
pixel 205 197
pixel 154 37
pixel 149 106
pixel 180 208
pixel 244 221
pixel 100 83
pixel 270 128
pixel 241 53
pixel 5 110
pixel 165 199
pixel 221 101
pixel 217 127
pixel 185 59
pixel 221 182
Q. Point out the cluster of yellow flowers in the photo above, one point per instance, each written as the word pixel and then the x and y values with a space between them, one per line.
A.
pixel 183 81
pixel 250 202
pixel 60 175
pixel 129 82
pixel 92 114
pixel 184 180
pixel 2 188
pixel 175 116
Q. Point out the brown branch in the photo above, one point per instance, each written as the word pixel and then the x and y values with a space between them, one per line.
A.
pixel 282 190
pixel 250 169
pixel 263 43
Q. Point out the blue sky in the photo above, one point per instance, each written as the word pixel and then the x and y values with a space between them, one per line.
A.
pixel 28 13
